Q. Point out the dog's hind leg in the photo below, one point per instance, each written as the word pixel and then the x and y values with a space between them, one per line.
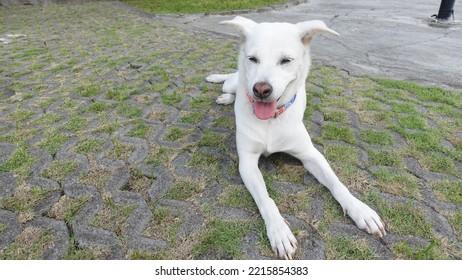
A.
pixel 218 78
pixel 229 87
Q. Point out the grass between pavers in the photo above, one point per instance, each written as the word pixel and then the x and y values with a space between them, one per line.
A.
pixel 19 162
pixel 108 87
pixel 76 253
pixel 343 248
pixel 59 169
pixel 24 200
pixel 113 216
pixel 223 239
pixel 201 6
pixel 67 207
pixel 30 244
pixel 406 251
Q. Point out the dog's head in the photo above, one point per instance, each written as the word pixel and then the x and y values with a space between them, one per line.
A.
pixel 274 59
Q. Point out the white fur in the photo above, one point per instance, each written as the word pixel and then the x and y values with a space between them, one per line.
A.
pixel 269 44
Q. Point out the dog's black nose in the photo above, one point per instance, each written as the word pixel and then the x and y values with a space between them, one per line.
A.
pixel 262 90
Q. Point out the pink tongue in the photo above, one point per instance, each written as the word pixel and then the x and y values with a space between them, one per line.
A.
pixel 264 110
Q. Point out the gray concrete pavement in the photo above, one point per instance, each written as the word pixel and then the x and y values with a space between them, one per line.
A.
pixel 387 38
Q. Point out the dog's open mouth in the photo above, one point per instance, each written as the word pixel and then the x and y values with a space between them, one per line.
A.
pixel 264 110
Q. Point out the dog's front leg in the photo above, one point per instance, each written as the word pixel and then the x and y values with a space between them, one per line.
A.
pixel 364 217
pixel 280 236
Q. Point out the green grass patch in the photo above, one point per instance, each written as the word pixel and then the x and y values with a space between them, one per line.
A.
pixel 205 161
pixel 436 162
pixel 401 218
pixel 47 119
pixel 160 156
pixel 428 140
pixel 293 173
pixel 201 6
pixel 171 99
pixel 223 122
pixel 141 130
pixel 89 145
pixel 74 252
pixel 98 107
pixel 192 117
pixel 88 91
pixel 405 251
pixel 120 151
pixel 397 183
pixel 370 105
pixel 343 248
pixel 238 197
pixel 383 118
pixel 113 216
pixel 331 131
pixel 24 199
pixel 52 141
pixel 433 94
pixel 67 207
pixel 147 255
pixel 411 122
pixel 341 153
pixel 164 224
pixel 334 116
pixel 19 162
pixel 377 137
pixel 213 139
pixel 59 169
pixel 449 190
pixel 183 190
pixel 30 244
pixel 177 134
pixel 18 137
pixel 75 123
pixel 129 110
pixel 20 115
pixel 456 221
pixel 122 92
pixel 223 238
pixel 403 107
pixel 201 102
pixel 108 126
pixel 385 158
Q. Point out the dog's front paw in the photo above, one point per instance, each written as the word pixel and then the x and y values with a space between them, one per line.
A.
pixel 282 240
pixel 365 218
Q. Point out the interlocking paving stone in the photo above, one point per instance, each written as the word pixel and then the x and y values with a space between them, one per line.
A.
pixel 107 104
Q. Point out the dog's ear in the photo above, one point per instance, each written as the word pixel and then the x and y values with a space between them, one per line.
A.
pixel 308 29
pixel 242 25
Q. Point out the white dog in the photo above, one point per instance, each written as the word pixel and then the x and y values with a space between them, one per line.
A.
pixel 270 98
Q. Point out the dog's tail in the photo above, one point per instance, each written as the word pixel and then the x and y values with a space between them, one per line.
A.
pixel 218 78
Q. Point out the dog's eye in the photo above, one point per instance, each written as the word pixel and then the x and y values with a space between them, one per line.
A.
pixel 253 59
pixel 286 60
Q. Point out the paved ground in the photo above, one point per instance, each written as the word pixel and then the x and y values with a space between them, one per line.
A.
pixel 388 38
pixel 111 145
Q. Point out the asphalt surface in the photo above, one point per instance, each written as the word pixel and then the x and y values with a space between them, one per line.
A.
pixel 387 38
